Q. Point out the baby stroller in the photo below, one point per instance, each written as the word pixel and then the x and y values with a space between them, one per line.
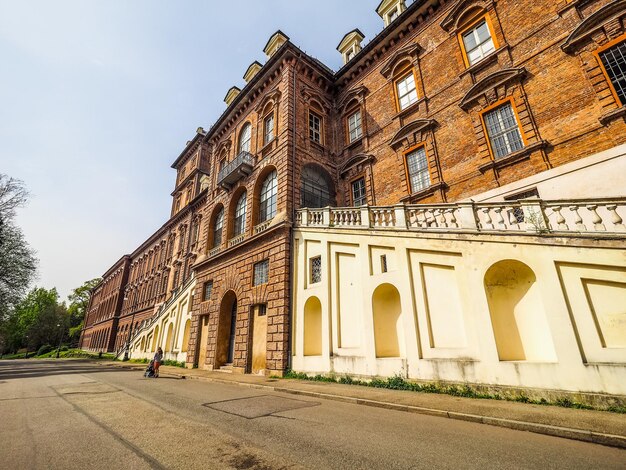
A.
pixel 149 373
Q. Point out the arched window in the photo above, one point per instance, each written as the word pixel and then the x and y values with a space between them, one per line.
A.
pixel 316 190
pixel 240 215
pixel 245 137
pixel 269 188
pixel 217 228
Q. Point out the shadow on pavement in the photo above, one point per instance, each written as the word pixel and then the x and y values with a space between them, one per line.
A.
pixel 28 368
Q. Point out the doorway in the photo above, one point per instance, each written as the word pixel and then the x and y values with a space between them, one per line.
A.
pixel 227 330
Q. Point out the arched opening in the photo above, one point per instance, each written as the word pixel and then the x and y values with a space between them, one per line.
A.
pixel 517 313
pixel 155 338
pixel 387 311
pixel 217 227
pixel 313 327
pixel 245 137
pixel 185 344
pixel 227 330
pixel 316 187
pixel 169 338
pixel 267 196
pixel 239 221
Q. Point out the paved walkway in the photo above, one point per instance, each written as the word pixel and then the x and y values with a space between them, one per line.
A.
pixel 585 425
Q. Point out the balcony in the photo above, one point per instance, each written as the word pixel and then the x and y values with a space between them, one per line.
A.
pixel 239 168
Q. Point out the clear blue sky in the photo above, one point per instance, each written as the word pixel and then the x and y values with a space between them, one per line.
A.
pixel 97 99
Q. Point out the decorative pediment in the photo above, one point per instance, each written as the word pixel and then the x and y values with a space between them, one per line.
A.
pixel 358 93
pixel 254 68
pixel 355 161
pixel 453 20
pixel 233 92
pixel 420 125
pixel 223 145
pixel 491 82
pixel 275 42
pixel 409 52
pixel 272 96
pixel 593 23
pixel 309 93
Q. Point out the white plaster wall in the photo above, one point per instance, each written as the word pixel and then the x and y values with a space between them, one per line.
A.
pixel 579 360
pixel 177 313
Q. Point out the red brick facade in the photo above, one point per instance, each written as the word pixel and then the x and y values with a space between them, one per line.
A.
pixel 544 68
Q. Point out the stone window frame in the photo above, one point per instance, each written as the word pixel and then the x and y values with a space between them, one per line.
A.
pixel 357 178
pixel 246 125
pixel 263 191
pixel 238 194
pixel 473 23
pixel 488 93
pixel 317 112
pixel 207 287
pixel 351 112
pixel 358 166
pixel 407 175
pixel 267 108
pixel 402 62
pixel 498 104
pixel 401 75
pixel 615 42
pixel 591 36
pixel 218 211
pixel 351 103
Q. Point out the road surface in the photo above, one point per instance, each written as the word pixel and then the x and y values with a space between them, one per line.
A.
pixel 74 414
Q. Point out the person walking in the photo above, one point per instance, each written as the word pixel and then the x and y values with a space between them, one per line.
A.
pixel 158 358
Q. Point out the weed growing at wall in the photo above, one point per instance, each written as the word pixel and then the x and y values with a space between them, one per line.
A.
pixel 399 383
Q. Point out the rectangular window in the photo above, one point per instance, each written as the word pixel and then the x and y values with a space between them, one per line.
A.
pixel 316 269
pixel 393 15
pixel 269 129
pixel 503 131
pixel 518 212
pixel 417 168
pixel 478 42
pixel 208 288
pixel 407 91
pixel 261 310
pixel 383 263
pixel 359 198
pixel 315 127
pixel 261 272
pixel 354 126
pixel 614 62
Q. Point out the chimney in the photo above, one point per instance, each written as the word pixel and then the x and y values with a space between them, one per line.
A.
pixel 389 10
pixel 231 95
pixel 273 44
pixel 350 45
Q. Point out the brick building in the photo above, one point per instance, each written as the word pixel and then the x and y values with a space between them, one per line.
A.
pixel 452 100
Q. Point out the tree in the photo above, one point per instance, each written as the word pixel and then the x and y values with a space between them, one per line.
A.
pixel 79 301
pixel 36 320
pixel 18 264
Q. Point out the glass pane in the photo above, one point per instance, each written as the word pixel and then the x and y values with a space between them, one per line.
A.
pixel 482 30
pixel 417 166
pixel 470 41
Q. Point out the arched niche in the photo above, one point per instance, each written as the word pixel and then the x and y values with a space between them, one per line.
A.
pixel 185 344
pixel 155 339
pixel 517 312
pixel 313 327
pixel 387 311
pixel 169 338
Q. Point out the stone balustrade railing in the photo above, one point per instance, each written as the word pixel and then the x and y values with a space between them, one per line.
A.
pixel 236 240
pixel 581 217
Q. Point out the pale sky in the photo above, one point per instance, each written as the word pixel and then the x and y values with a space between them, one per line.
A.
pixel 97 99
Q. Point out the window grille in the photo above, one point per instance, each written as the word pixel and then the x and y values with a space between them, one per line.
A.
pixel 269 190
pixel 315 127
pixel 269 129
pixel 316 270
pixel 503 131
pixel 614 61
pixel 354 126
pixel 518 212
pixel 245 138
pixel 218 228
pixel 407 91
pixel 240 215
pixel 383 263
pixel 261 310
pixel 261 272
pixel 208 288
pixel 315 190
pixel 417 166
pixel 478 42
pixel 359 197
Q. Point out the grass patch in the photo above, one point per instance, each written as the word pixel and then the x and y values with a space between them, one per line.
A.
pixel 65 353
pixel 399 383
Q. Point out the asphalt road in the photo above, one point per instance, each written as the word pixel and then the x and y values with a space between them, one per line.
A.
pixel 72 414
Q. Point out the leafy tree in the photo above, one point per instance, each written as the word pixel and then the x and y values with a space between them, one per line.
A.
pixel 79 301
pixel 18 264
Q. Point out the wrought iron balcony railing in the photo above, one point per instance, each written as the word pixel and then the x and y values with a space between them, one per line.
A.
pixel 233 171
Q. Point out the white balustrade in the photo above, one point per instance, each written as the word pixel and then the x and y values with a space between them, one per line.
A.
pixel 262 227
pixel 236 240
pixel 533 216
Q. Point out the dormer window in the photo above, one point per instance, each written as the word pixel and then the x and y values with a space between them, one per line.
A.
pixel 392 16
pixel 349 55
pixel 389 10
pixel 478 42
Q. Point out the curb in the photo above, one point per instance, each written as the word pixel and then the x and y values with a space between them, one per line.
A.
pixel 537 428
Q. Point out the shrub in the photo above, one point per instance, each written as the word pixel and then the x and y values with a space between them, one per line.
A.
pixel 45 349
